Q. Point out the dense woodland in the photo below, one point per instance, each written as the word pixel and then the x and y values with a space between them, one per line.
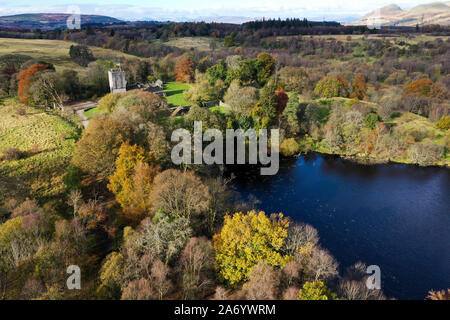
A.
pixel 141 227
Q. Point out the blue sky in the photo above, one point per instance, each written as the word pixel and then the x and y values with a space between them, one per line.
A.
pixel 191 9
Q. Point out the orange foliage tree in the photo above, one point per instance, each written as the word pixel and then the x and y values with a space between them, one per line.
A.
pixel 132 180
pixel 422 87
pixel 25 78
pixel 359 87
pixel 282 100
pixel 184 69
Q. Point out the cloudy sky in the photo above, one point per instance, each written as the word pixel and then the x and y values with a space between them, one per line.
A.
pixel 179 10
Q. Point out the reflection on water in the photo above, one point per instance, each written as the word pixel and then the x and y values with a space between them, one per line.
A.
pixel 395 216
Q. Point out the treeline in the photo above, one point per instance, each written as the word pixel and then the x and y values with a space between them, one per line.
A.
pixel 37 82
pixel 140 227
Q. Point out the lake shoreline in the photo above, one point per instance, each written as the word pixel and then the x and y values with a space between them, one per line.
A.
pixel 363 160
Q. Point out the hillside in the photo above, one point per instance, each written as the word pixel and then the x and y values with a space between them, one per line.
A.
pixel 50 21
pixel 47 143
pixel 393 15
pixel 54 51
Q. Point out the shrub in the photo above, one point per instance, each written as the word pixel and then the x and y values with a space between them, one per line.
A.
pixel 417 104
pixel 426 153
pixel 81 54
pixel 12 154
pixel 21 111
pixel 289 147
pixel 443 123
pixel 72 178
pixel 371 120
pixel 438 111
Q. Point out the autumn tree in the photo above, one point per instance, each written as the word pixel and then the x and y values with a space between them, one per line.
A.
pixel 422 87
pixel 162 240
pixel 359 87
pixel 282 100
pixel 291 113
pixel 268 101
pixel 240 99
pixel 217 72
pixel 138 290
pixel 263 282
pixel 26 78
pixel 439 295
pixel 331 86
pixel 81 54
pixel 352 286
pixel 315 290
pixel 266 67
pixel 47 91
pixel 179 194
pixel 111 276
pixel 184 69
pixel 319 264
pixel 294 79
pixel 300 235
pixel 159 277
pixel 203 92
pixel 132 180
pixel 196 267
pixel 96 151
pixel 246 239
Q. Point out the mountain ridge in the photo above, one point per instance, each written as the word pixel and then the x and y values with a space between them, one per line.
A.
pixel 393 15
pixel 50 21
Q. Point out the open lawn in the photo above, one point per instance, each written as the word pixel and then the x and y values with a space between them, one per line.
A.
pixel 174 91
pixel 53 51
pixel 92 112
pixel 219 109
pixel 47 142
pixel 199 43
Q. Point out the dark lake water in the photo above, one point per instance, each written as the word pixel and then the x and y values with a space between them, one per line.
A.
pixel 391 215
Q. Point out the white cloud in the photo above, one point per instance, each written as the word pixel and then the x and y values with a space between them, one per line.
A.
pixel 328 9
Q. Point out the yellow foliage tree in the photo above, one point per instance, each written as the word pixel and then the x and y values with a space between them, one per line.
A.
pixel 132 180
pixel 316 290
pixel 247 239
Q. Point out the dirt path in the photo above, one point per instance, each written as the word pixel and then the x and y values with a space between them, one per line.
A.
pixel 83 118
pixel 79 109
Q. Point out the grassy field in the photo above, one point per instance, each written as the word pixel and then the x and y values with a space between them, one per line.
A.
pixel 356 37
pixel 199 43
pixel 53 51
pixel 92 112
pixel 174 91
pixel 39 173
pixel 219 109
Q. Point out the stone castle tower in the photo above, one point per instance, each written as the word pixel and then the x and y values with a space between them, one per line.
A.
pixel 117 82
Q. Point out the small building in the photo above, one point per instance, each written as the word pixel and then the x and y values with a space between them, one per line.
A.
pixel 117 81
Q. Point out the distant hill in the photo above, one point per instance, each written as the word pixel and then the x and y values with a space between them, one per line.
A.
pixel 393 15
pixel 50 21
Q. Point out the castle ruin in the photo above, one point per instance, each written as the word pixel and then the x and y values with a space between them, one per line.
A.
pixel 117 82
